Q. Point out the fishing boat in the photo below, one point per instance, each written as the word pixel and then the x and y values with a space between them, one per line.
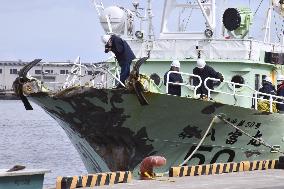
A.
pixel 115 129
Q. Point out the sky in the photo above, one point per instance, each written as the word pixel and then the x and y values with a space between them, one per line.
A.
pixel 61 30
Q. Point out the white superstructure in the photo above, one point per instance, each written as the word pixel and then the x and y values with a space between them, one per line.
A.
pixel 187 36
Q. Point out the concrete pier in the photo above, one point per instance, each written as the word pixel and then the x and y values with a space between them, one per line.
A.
pixel 268 179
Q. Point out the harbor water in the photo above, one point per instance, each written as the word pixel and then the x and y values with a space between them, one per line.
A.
pixel 35 140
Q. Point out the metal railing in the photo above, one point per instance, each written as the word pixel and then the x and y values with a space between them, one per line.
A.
pixel 235 93
pixel 115 75
pixel 183 84
pixel 101 80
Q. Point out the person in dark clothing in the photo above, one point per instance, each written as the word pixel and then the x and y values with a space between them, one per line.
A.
pixel 174 78
pixel 205 71
pixel 123 54
pixel 280 92
pixel 267 88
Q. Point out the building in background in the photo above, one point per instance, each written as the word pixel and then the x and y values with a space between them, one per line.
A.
pixel 53 74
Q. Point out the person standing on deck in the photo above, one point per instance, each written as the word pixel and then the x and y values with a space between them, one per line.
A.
pixel 280 92
pixel 123 54
pixel 205 71
pixel 267 87
pixel 174 78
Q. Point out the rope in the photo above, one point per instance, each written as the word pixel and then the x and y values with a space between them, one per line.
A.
pixel 201 141
pixel 260 140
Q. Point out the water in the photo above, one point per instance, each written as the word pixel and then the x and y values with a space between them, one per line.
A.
pixel 34 139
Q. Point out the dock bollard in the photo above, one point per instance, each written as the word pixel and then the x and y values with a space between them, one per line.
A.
pixel 148 164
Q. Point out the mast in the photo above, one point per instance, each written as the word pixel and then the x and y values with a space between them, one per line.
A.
pixel 267 34
pixel 150 16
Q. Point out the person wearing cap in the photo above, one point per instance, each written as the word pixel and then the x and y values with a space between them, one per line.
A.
pixel 205 71
pixel 174 78
pixel 280 92
pixel 267 87
pixel 123 53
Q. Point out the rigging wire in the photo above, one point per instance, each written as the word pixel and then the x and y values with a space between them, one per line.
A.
pixel 257 8
pixel 276 26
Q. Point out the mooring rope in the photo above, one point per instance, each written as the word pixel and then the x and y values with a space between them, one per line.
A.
pixel 220 117
pixel 260 140
pixel 201 141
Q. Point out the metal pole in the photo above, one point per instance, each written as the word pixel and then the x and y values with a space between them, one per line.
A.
pixel 149 15
pixel 270 103
pixel 268 25
pixel 167 84
pixel 255 101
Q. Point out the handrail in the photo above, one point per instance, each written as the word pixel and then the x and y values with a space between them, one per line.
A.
pixel 256 93
pixel 116 78
pixel 183 84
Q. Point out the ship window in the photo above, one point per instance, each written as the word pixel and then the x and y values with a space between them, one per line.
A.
pixel 38 72
pixel 90 73
pixel 238 79
pixel 156 78
pixel 0 71
pixel 13 71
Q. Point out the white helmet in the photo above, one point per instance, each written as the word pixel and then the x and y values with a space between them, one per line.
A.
pixel 280 77
pixel 175 63
pixel 200 63
pixel 268 79
pixel 105 38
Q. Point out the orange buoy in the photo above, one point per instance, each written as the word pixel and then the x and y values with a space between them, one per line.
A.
pixel 147 165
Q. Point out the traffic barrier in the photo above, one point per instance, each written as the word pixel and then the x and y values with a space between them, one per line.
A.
pixel 91 180
pixel 219 168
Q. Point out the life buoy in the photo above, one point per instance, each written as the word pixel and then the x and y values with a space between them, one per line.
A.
pixel 147 165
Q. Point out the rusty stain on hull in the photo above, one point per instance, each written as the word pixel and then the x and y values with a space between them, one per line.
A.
pixel 120 147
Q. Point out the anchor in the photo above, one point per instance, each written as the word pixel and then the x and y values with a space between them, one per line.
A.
pixel 21 80
pixel 133 82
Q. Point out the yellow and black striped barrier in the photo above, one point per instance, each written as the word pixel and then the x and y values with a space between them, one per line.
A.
pixel 91 180
pixel 260 165
pixel 219 168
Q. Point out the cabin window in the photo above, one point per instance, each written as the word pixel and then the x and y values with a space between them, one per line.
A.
pixel 156 78
pixel 38 72
pixel 0 71
pixel 238 79
pixel 13 71
pixel 90 73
